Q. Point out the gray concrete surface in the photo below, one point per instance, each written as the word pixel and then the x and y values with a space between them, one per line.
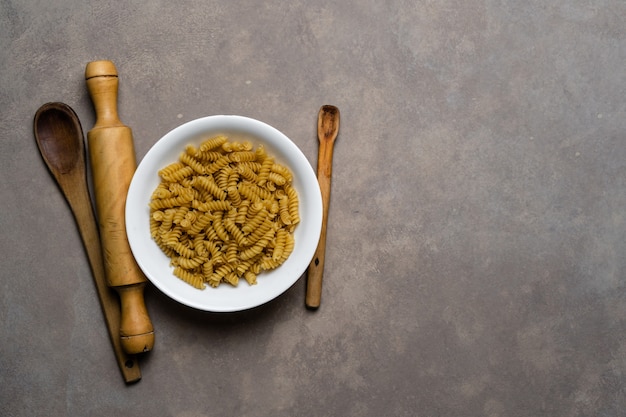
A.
pixel 476 251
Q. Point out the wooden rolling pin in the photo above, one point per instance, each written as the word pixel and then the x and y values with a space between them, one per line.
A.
pixel 113 163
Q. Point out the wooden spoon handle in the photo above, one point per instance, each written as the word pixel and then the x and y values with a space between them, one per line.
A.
pixel 327 128
pixel 113 164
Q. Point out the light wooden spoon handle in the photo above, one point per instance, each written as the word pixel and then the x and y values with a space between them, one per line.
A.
pixel 327 129
pixel 113 164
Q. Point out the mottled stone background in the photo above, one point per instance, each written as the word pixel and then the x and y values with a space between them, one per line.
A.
pixel 476 252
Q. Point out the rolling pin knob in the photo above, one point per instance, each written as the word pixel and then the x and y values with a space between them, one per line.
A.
pixel 113 163
pixel 102 83
pixel 134 334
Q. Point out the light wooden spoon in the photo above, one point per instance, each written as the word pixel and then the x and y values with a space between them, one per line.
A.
pixel 59 136
pixel 327 130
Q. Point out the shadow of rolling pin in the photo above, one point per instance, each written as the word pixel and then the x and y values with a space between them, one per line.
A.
pixel 113 163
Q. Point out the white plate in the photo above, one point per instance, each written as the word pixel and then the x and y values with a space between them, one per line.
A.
pixel 225 298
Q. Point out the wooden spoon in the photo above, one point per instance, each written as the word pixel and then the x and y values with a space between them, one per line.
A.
pixel 327 129
pixel 59 136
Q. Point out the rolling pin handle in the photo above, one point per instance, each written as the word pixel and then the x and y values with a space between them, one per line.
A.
pixel 133 332
pixel 103 84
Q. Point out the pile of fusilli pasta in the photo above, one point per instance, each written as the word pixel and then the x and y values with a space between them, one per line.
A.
pixel 224 211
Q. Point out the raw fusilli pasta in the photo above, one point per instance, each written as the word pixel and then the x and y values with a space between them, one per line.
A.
pixel 224 212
